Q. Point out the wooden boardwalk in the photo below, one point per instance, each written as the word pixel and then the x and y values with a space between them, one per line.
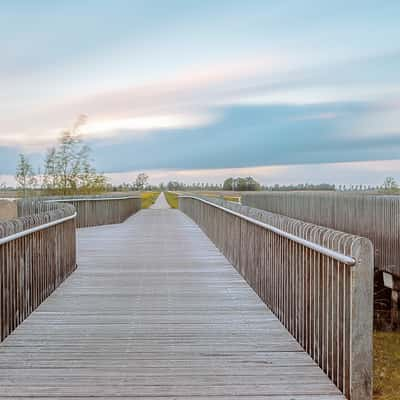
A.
pixel 155 311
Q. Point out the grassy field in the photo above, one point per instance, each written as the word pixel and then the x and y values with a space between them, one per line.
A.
pixel 172 199
pixel 232 196
pixel 386 365
pixel 148 198
pixel 8 194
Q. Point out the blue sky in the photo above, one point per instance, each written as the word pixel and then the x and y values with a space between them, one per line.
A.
pixel 203 89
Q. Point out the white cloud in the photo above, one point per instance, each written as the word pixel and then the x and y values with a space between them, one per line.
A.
pixel 317 95
pixel 325 115
pixel 32 141
pixel 184 100
pixel 111 127
pixel 178 101
pixel 378 122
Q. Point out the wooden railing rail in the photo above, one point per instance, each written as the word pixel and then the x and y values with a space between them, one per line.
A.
pixel 319 283
pixel 37 252
pixel 92 210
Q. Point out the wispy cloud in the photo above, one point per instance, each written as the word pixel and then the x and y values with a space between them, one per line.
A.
pixel 318 95
pixel 109 128
pixel 383 121
pixel 323 115
pixel 144 124
pixel 182 102
pixel 185 103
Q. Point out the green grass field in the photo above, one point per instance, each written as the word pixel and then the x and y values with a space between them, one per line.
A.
pixel 220 195
pixel 386 365
pixel 148 198
pixel 232 198
pixel 172 199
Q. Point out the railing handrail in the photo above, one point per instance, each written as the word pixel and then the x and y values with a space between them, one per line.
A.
pixel 61 200
pixel 41 227
pixel 347 260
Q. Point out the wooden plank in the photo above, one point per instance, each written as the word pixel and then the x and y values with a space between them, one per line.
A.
pixel 155 311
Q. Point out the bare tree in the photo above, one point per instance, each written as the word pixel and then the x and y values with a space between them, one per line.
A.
pixel 390 185
pixel 68 168
pixel 24 175
pixel 141 181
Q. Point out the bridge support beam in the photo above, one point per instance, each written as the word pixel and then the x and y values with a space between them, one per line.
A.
pixel 393 283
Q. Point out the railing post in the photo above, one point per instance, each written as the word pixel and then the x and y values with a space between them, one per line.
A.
pixel 362 293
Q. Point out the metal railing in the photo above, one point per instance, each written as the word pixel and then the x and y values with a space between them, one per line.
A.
pixel 38 249
pixel 317 281
pixel 93 210
pixel 29 231
pixel 37 252
pixel 369 215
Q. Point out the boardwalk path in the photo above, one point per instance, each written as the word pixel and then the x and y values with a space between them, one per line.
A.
pixel 160 203
pixel 154 310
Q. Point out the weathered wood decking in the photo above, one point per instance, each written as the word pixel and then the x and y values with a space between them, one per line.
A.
pixel 154 310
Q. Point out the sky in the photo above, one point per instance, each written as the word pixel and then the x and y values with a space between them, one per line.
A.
pixel 289 91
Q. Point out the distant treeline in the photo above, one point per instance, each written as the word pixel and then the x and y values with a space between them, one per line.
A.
pixel 170 186
pixel 301 186
pixel 29 187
